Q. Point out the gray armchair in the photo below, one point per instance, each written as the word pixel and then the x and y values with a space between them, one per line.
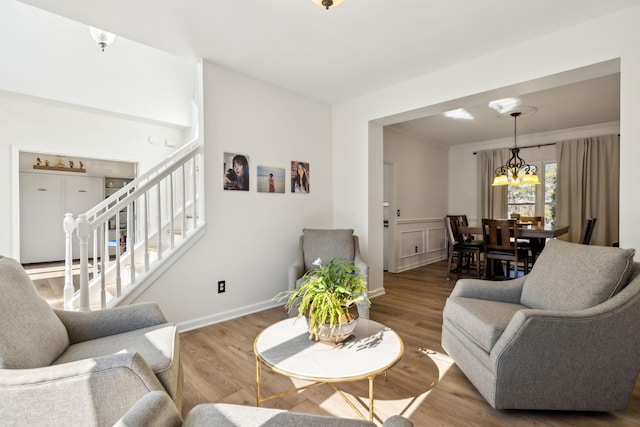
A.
pixel 565 337
pixel 156 410
pixel 327 245
pixel 62 368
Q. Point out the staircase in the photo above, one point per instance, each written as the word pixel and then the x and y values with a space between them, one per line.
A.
pixel 164 216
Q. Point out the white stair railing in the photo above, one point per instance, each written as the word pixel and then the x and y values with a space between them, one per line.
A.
pixel 170 193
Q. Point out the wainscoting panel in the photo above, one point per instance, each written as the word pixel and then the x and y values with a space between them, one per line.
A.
pixel 419 242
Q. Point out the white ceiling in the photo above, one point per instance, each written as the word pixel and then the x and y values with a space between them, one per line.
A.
pixel 359 46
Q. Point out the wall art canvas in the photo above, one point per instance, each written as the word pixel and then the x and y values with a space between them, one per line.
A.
pixel 236 172
pixel 270 179
pixel 300 177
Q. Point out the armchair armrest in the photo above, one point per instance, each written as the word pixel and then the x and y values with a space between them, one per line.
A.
pixel 84 326
pixel 90 391
pixel 154 409
pixel 296 270
pixel 397 421
pixel 596 347
pixel 359 262
pixel 505 291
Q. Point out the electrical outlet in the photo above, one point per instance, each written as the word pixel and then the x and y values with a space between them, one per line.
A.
pixel 221 286
pixel 416 249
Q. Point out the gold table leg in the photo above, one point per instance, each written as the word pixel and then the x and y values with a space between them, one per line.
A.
pixel 371 378
pixel 258 379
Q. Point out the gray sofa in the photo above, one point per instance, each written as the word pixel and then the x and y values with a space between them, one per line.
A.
pixel 156 410
pixel 564 337
pixel 63 368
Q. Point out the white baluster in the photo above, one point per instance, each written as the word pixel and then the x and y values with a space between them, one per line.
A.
pixel 146 231
pixel 184 202
pixel 171 213
pixel 132 213
pixel 159 214
pixel 69 225
pixel 103 263
pixel 118 237
pixel 84 230
pixel 194 197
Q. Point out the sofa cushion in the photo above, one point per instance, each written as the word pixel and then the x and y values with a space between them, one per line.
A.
pixel 327 245
pixel 571 276
pixel 482 321
pixel 32 335
pixel 158 345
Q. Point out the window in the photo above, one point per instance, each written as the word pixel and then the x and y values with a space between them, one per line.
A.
pixel 534 200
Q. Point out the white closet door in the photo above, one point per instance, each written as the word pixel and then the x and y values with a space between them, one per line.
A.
pixel 82 193
pixel 41 216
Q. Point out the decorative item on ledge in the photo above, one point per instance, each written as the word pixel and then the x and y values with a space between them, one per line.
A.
pixel 60 165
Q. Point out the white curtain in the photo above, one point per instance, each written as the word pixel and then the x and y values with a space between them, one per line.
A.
pixel 588 186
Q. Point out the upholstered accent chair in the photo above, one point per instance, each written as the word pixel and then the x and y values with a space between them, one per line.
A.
pixel 157 410
pixel 327 244
pixel 564 337
pixel 64 368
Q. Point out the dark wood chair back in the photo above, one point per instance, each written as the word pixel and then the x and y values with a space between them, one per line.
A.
pixel 498 234
pixel 459 246
pixel 500 237
pixel 452 222
pixel 535 220
pixel 587 230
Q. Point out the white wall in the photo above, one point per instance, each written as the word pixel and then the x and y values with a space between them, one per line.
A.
pixel 421 191
pixel 52 57
pixel 60 95
pixel 251 238
pixel 357 132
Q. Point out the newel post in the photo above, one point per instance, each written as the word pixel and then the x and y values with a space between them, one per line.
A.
pixel 69 225
pixel 84 230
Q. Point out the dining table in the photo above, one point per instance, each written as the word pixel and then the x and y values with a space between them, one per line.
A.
pixel 536 233
pixel 526 230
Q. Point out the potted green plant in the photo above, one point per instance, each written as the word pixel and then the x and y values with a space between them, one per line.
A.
pixel 327 297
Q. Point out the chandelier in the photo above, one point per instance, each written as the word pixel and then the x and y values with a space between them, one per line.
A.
pixel 327 3
pixel 520 171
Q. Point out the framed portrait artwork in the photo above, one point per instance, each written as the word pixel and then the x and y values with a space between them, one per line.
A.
pixel 270 179
pixel 236 172
pixel 300 177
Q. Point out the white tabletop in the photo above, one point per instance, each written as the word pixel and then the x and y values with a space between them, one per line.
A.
pixel 285 347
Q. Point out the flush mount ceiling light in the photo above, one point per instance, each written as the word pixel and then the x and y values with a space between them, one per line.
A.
pixel 327 3
pixel 103 38
pixel 516 171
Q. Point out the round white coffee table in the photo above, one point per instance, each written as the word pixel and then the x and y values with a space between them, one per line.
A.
pixel 285 348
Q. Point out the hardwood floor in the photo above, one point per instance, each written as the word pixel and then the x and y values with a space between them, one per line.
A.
pixel 425 386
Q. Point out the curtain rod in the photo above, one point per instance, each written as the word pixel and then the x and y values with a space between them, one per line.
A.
pixel 528 146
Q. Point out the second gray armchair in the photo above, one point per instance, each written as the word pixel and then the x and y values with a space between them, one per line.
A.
pixel 327 244
pixel 564 337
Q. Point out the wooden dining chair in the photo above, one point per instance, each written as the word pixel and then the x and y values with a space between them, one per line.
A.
pixel 464 222
pixel 534 245
pixel 457 246
pixel 500 237
pixel 587 230
pixel 535 220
